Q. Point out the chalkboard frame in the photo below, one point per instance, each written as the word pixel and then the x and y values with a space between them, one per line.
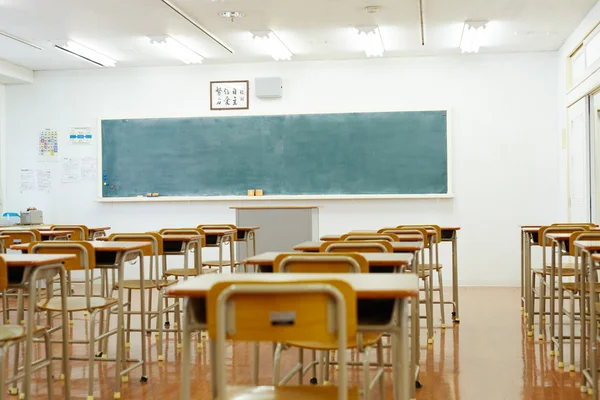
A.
pixel 230 113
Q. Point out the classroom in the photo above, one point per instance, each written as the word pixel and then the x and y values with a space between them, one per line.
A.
pixel 189 188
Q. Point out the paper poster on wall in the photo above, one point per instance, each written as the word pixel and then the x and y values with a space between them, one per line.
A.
pixel 71 170
pixel 48 145
pixel 89 168
pixel 27 180
pixel 44 180
pixel 81 135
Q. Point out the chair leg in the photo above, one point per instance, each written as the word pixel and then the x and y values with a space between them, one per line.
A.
pixel 178 322
pixel 381 367
pixel 159 343
pixel 128 341
pixel 301 362
pixel 572 331
pixel 91 355
pixel 366 374
pixel 531 306
pixel 441 295
pixel 150 309
pixel 48 346
pixel 2 362
pixel 277 365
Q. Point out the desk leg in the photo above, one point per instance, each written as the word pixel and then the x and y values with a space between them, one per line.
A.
pixel 529 295
pixel 522 271
pixel 593 331
pixel 583 321
pixel 185 353
pixel 65 333
pixel 456 316
pixel 143 317
pixel 232 253
pixel 120 333
pixel 400 349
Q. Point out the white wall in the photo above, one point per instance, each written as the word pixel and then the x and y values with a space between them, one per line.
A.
pixel 503 124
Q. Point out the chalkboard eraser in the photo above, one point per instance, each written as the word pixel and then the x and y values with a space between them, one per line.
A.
pixel 155 194
pixel 148 194
pixel 259 192
pixel 250 192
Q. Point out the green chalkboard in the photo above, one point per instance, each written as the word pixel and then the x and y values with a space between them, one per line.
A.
pixel 353 153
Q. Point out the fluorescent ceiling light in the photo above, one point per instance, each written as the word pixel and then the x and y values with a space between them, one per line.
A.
pixel 273 45
pixel 20 40
pixel 472 36
pixel 371 41
pixel 87 54
pixel 175 49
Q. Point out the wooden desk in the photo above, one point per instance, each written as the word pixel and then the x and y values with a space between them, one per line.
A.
pixel 403 238
pixel 114 255
pixel 399 247
pixel 55 235
pixel 98 232
pixel 399 287
pixel 217 238
pixel 450 234
pixel 31 269
pixel 375 260
pixel 182 244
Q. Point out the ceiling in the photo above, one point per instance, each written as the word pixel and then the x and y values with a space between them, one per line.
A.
pixel 311 29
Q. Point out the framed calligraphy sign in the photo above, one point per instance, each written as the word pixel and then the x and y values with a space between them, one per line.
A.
pixel 229 95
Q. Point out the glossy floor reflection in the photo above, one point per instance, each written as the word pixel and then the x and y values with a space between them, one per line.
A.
pixel 486 357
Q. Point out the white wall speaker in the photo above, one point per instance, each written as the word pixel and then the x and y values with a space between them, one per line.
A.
pixel 268 88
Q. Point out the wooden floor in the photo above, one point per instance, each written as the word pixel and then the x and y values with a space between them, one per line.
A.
pixel 487 357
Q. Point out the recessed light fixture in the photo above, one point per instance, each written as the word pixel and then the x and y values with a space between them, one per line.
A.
pixel 371 41
pixel 231 15
pixel 472 36
pixel 273 45
pixel 172 47
pixel 87 54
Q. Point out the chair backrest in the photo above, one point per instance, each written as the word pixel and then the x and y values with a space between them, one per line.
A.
pixel 3 274
pixel 85 256
pixel 321 311
pixel 438 231
pixel 355 246
pixel 581 235
pixel 154 238
pixel 80 232
pixel 321 263
pixel 362 236
pixel 185 231
pixel 544 230
pixel 23 236
pixel 588 224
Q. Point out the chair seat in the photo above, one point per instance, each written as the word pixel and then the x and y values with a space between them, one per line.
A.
pixel 568 269
pixel 215 263
pixel 306 392
pixel 190 271
pixel 76 303
pixel 148 284
pixel 16 332
pixel 574 287
pixel 436 267
pixel 369 339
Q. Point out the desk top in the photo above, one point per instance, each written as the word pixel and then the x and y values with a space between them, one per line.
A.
pixel 99 229
pixel 596 257
pixel 399 247
pixel 589 245
pixel 530 229
pixel 34 260
pixel 366 286
pixel 403 238
pixel 99 246
pixel 272 207
pixel 181 238
pixel 56 233
pixel 560 237
pixel 218 232
pixel 374 259
pixel 247 228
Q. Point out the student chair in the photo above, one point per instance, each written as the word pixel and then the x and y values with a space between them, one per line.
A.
pixel 84 261
pixel 154 283
pixel 220 242
pixel 390 237
pixel 15 335
pixel 183 248
pixel 328 263
pixel 353 246
pixel 324 311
